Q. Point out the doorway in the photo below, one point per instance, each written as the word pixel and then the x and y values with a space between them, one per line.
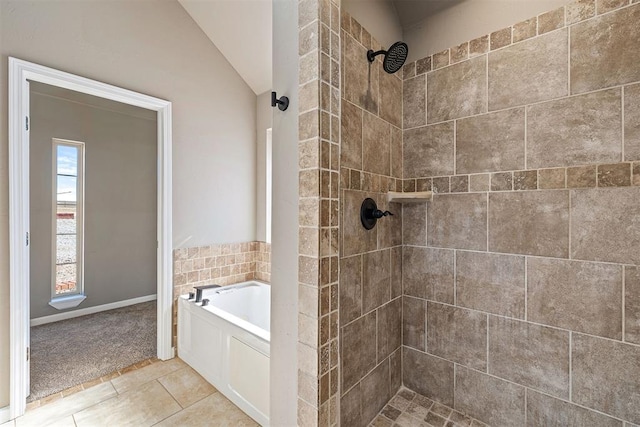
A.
pixel 92 220
pixel 21 76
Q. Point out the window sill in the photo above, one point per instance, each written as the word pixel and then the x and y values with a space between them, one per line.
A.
pixel 64 303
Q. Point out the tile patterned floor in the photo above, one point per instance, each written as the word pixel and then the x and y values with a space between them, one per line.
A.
pixel 163 394
pixel 410 409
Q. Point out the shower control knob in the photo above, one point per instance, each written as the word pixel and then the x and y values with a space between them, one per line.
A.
pixel 370 214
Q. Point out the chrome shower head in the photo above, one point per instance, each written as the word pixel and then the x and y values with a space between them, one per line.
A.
pixel 394 58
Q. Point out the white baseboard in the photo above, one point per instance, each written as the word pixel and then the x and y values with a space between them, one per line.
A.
pixel 5 414
pixel 90 310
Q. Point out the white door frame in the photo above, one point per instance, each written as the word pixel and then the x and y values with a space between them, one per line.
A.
pixel 20 73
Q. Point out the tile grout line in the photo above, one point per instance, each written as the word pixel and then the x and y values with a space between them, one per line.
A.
pixel 622 120
pixel 624 298
pixel 570 366
pixel 526 289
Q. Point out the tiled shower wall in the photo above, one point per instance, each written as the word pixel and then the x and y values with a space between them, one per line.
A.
pixel 521 286
pixel 370 261
pixel 223 264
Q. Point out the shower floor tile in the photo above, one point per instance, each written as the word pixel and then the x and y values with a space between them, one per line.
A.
pixel 410 409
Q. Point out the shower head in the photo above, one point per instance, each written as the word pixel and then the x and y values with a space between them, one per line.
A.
pixel 393 58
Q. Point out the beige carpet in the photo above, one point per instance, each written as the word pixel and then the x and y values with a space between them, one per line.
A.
pixel 74 351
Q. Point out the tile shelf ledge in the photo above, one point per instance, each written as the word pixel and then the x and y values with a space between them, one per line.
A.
pixel 412 197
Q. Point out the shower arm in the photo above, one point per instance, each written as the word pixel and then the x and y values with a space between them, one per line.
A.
pixel 371 55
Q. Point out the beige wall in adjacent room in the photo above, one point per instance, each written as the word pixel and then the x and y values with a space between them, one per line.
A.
pixel 119 204
pixel 467 20
pixel 155 48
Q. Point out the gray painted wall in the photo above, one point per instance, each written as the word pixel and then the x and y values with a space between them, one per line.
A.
pixel 120 200
pixel 152 47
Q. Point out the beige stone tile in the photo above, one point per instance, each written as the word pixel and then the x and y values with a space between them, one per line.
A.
pixel 391 99
pixel 423 65
pixel 604 51
pixel 632 304
pixel 581 176
pixel 525 180
pixel 551 178
pixel 500 38
pixel 396 153
pixel 376 279
pixel 389 329
pixel 575 131
pixel 141 376
pixel 605 224
pixel 441 185
pixel 460 184
pixel 480 182
pixel 458 221
pixel 358 345
pixel 551 20
pixel 525 30
pixel 144 405
pixel 491 142
pixel 531 71
pixel 493 401
pixel 605 376
pixel 351 408
pixel 414 98
pixel 409 70
pixel 356 238
pixel 543 410
pixel 478 46
pixel 215 409
pixel 428 273
pixel 441 59
pixel 457 334
pixel 350 288
pixel 502 181
pixel 376 145
pixel 530 223
pixel 375 392
pixel 580 296
pixel 459 52
pixel 360 78
pixel 580 10
pixel 531 355
pixel 414 225
pixel 604 6
pixel 632 122
pixel 390 227
pixel 429 151
pixel 413 322
pixel 62 408
pixel 405 420
pixel 614 175
pixel 491 282
pixel 351 149
pixel 428 375
pixel 396 272
pixel 457 91
pixel 186 386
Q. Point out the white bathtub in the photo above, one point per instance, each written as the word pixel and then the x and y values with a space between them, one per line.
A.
pixel 227 342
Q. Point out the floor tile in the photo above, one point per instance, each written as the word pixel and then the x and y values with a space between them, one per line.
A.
pixel 148 373
pixel 143 406
pixel 213 410
pixel 410 409
pixel 186 386
pixel 49 414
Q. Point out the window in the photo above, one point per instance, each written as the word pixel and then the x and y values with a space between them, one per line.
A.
pixel 68 214
pixel 269 180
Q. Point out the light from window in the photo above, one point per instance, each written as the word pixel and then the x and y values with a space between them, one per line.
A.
pixel 68 216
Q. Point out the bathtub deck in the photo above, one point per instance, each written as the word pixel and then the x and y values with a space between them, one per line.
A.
pixel 161 394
